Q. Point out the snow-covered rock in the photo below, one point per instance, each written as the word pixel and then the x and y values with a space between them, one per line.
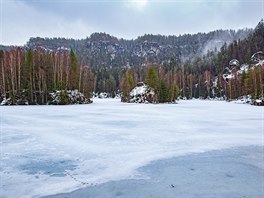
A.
pixel 14 100
pixel 244 100
pixel 258 102
pixel 244 68
pixel 62 97
pixel 142 93
pixel 258 58
pixel 104 95
pixel 6 101
pixel 58 97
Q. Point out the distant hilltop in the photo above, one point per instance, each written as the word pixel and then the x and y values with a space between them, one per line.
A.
pixel 104 50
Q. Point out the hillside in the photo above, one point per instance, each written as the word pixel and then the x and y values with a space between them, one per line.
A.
pixel 101 49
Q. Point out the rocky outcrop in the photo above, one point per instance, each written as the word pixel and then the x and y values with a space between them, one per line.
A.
pixel 58 97
pixel 142 93
pixel 63 97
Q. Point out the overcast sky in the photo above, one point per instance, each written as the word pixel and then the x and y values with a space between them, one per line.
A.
pixel 22 19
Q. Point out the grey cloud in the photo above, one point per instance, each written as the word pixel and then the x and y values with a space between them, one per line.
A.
pixel 80 18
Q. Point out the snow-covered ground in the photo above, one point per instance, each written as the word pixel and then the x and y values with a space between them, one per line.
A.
pixel 52 149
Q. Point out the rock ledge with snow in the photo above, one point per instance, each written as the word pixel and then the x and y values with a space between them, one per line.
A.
pixel 58 97
pixel 142 93
pixel 63 97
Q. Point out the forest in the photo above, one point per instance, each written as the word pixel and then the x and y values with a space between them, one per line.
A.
pixel 33 75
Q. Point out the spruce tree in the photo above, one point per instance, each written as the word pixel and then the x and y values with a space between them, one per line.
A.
pixel 164 94
pixel 74 71
pixel 152 78
pixel 127 84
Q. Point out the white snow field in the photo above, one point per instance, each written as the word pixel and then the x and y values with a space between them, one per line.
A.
pixel 47 150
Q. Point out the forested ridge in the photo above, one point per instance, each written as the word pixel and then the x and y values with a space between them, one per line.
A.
pixel 174 66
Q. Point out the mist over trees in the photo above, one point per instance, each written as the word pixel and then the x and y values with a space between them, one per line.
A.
pixel 173 66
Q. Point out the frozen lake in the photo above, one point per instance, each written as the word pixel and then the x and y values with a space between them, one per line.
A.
pixel 235 172
pixel 54 149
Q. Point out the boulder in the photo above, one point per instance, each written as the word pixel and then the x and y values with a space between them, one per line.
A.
pixel 63 97
pixel 142 93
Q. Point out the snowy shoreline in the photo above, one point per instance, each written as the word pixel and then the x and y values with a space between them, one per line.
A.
pixel 234 172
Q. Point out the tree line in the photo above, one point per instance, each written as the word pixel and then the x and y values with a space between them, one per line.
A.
pixel 30 75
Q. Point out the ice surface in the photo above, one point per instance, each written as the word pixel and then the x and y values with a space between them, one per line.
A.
pixel 235 172
pixel 53 149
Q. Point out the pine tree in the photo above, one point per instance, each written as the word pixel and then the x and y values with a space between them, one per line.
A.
pixel 164 94
pixel 127 84
pixel 74 71
pixel 152 79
